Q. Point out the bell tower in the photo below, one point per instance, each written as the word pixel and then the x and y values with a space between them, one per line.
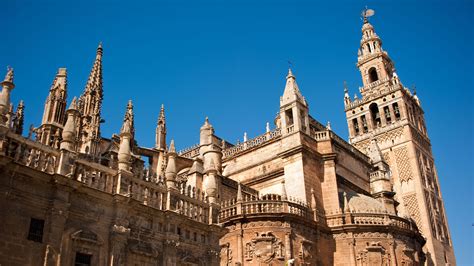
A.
pixel 392 115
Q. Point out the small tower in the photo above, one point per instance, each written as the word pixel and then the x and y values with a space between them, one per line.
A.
pixel 388 123
pixel 7 87
pixel 54 115
pixel 160 135
pixel 293 108
pixel 90 104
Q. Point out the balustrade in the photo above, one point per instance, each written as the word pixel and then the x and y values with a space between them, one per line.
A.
pixel 269 204
pixel 255 142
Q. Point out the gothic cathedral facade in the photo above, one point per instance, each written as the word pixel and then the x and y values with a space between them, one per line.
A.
pixel 298 194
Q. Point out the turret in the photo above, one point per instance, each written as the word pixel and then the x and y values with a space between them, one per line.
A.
pixel 171 171
pixel 54 115
pixel 210 184
pixel 210 147
pixel 293 108
pixel 70 128
pixel 7 87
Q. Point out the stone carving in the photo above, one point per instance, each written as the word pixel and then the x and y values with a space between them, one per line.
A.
pixel 306 252
pixel 373 254
pixel 264 248
pixel 403 164
pixel 226 255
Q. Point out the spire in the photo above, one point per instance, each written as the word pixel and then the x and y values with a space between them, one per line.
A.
pixel 292 92
pixel 172 149
pixel 94 83
pixel 160 133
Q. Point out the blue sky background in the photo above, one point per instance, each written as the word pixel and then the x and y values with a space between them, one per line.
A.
pixel 228 60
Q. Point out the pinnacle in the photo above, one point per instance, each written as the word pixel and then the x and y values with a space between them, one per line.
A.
pixel 72 106
pixel 172 149
pixel 9 75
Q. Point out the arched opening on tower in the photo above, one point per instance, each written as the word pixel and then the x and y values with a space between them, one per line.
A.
pixel 375 114
pixel 373 76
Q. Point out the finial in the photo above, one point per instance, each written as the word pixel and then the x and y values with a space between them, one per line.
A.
pixel 414 89
pixel 245 136
pixel 72 106
pixel 99 49
pixel 267 127
pixel 9 75
pixel 290 74
pixel 172 149
pixel 239 191
pixel 346 90
pixel 366 13
pixel 284 195
pixel 328 125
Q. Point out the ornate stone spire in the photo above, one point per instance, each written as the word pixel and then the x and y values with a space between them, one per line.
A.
pixel 90 104
pixel 94 83
pixel 160 134
pixel 292 92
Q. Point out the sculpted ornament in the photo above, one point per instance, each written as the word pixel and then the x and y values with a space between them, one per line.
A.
pixel 226 255
pixel 264 248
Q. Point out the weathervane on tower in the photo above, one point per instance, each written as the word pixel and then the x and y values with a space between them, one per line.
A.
pixel 366 13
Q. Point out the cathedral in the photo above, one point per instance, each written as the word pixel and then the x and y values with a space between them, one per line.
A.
pixel 298 194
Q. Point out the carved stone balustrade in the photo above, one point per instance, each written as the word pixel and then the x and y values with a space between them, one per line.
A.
pixel 250 144
pixel 268 205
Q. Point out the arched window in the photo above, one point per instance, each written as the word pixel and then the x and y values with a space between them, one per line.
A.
pixel 373 76
pixel 375 114
pixel 368 47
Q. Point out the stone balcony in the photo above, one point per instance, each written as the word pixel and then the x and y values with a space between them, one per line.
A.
pixel 268 205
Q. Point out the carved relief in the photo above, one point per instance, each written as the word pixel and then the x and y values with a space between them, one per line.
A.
pixel 264 248
pixel 403 164
pixel 373 254
pixel 306 252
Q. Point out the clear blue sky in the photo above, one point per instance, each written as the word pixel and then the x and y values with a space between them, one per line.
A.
pixel 228 60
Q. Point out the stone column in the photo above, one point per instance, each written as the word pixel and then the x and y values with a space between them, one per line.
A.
pixel 393 254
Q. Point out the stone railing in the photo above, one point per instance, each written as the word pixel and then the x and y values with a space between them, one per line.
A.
pixel 255 142
pixel 268 205
pixel 328 134
pixel 31 153
pixel 389 88
pixel 368 219
pixel 190 152
pixel 143 186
